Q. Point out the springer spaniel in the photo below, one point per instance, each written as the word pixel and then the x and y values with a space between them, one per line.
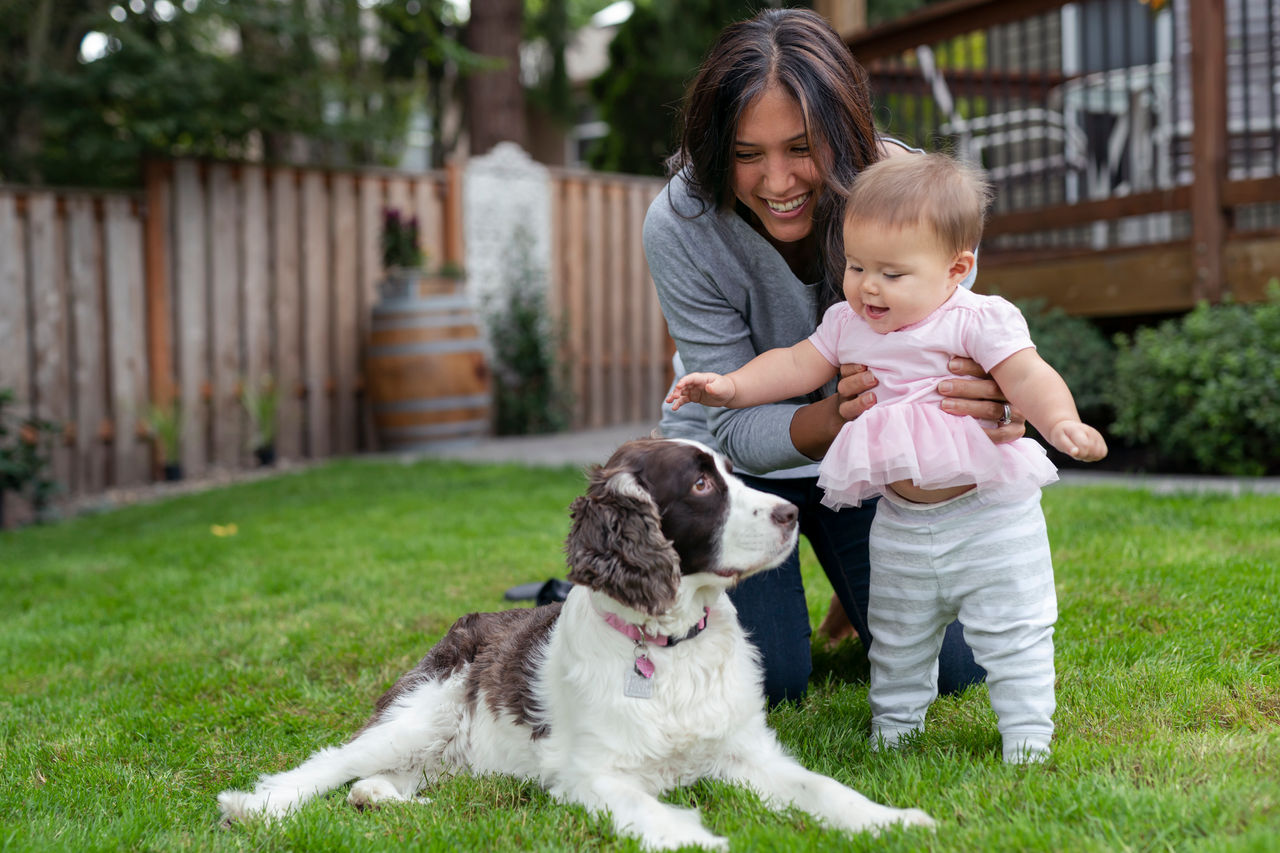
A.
pixel 643 680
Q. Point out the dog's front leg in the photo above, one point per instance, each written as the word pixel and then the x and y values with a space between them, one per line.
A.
pixel 781 781
pixel 636 812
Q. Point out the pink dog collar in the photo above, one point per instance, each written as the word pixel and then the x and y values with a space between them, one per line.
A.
pixel 634 633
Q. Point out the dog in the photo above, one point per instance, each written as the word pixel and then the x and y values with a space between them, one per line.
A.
pixel 642 680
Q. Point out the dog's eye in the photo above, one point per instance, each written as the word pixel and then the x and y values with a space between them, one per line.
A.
pixel 703 486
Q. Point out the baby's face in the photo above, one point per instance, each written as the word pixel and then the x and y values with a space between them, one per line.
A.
pixel 894 277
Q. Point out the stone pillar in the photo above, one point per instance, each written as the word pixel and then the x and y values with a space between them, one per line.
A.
pixel 505 193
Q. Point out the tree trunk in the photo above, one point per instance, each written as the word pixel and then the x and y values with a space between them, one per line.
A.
pixel 495 98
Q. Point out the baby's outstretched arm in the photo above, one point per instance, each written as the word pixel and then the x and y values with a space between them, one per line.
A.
pixel 774 375
pixel 1038 391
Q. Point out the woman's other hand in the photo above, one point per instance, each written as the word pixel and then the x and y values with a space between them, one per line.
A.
pixel 855 390
pixel 816 425
pixel 980 397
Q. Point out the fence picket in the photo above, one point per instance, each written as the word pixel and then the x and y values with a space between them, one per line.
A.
pixel 226 414
pixel 15 368
pixel 597 368
pixel 51 383
pixel 427 207
pixel 255 283
pixel 316 339
pixel 89 379
pixel 575 299
pixel 642 403
pixel 286 325
pixel 621 318
pixel 127 354
pixel 346 304
pixel 190 264
pixel 369 251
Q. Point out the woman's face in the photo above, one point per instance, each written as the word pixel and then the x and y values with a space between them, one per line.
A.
pixel 774 174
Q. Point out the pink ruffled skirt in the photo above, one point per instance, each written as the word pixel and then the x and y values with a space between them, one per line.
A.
pixel 935 450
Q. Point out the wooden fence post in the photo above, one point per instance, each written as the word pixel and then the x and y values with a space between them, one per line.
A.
pixel 156 177
pixel 1209 217
pixel 455 248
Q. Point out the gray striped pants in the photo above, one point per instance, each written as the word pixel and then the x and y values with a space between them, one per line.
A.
pixel 988 564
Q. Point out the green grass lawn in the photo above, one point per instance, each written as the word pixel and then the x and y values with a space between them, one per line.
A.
pixel 147 663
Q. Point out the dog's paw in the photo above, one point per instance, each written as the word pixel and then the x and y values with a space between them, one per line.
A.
pixel 915 817
pixel 674 841
pixel 239 806
pixel 682 828
pixel 370 793
pixel 881 818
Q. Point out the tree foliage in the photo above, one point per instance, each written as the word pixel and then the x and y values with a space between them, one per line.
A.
pixel 652 59
pixel 314 81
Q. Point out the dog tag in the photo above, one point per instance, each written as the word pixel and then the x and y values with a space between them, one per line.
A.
pixel 637 686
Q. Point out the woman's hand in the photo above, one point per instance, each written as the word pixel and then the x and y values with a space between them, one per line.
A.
pixel 980 397
pixel 816 425
pixel 855 391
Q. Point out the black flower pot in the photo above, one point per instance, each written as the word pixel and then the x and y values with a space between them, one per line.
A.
pixel 172 471
pixel 266 455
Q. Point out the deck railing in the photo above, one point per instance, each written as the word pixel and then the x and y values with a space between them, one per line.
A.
pixel 1133 145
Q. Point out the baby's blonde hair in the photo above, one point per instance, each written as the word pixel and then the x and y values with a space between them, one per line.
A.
pixel 945 195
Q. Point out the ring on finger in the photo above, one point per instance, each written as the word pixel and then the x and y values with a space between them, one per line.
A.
pixel 1007 417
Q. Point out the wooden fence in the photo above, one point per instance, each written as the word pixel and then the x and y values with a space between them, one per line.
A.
pixel 220 275
pixel 617 344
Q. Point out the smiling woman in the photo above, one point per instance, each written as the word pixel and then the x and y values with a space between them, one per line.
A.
pixel 774 175
pixel 745 246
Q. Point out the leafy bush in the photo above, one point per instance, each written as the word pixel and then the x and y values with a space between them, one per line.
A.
pixel 164 426
pixel 530 385
pixel 1078 350
pixel 25 451
pixel 1204 390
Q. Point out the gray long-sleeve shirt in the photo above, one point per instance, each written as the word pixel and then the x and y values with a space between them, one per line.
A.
pixel 728 296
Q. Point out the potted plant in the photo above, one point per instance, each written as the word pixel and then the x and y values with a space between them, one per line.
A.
pixel 402 255
pixel 25 450
pixel 164 424
pixel 260 403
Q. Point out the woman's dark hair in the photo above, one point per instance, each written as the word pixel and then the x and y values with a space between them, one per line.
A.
pixel 799 51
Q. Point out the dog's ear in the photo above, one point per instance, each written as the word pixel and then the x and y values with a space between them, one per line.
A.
pixel 616 545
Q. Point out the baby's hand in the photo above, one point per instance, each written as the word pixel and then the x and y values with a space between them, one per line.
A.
pixel 1078 440
pixel 709 389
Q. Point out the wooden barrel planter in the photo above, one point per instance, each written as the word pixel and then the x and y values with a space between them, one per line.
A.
pixel 426 368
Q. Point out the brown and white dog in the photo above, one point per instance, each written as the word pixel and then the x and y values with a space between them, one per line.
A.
pixel 643 680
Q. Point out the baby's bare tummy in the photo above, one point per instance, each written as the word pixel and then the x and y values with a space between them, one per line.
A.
pixel 910 491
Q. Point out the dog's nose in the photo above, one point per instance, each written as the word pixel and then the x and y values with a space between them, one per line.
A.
pixel 784 515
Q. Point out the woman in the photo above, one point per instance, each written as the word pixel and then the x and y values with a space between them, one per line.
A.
pixel 745 248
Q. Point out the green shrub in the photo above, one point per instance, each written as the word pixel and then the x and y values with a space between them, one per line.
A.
pixel 530 383
pixel 1204 389
pixel 1078 350
pixel 26 447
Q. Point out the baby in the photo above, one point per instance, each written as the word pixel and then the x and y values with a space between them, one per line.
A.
pixel 960 532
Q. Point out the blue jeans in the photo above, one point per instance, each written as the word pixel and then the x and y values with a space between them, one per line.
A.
pixel 772 608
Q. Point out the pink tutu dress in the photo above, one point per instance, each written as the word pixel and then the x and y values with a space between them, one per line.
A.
pixel 906 435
